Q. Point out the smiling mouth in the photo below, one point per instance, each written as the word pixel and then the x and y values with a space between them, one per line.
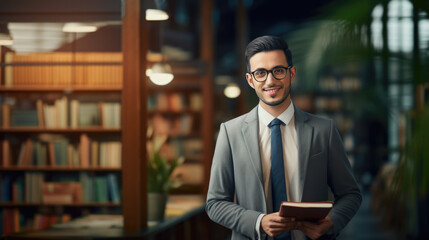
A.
pixel 272 90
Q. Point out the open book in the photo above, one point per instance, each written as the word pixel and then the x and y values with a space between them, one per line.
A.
pixel 305 211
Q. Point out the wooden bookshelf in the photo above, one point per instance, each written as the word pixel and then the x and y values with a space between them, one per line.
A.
pixel 75 205
pixel 58 169
pixel 132 91
pixel 59 130
pixel 59 89
pixel 63 152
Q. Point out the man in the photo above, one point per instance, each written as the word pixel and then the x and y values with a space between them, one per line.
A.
pixel 259 160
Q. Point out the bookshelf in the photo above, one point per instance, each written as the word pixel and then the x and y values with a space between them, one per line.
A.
pixel 332 100
pixel 61 137
pixel 132 92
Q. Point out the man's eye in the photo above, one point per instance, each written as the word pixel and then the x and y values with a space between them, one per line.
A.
pixel 279 71
pixel 260 73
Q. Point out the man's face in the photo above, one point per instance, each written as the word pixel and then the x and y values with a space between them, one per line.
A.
pixel 272 92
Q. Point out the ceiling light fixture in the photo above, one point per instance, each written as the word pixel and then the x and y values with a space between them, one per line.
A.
pixel 160 74
pixel 79 27
pixel 232 90
pixel 5 37
pixel 156 15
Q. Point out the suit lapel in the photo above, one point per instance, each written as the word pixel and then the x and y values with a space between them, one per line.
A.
pixel 304 133
pixel 250 133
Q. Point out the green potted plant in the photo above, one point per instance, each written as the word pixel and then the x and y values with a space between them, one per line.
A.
pixel 160 179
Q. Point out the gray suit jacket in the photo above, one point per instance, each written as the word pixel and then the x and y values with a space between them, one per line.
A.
pixel 236 196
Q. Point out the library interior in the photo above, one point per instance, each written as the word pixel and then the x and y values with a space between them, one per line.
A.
pixel 110 109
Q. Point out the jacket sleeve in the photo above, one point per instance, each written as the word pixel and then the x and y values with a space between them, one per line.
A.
pixel 220 205
pixel 342 182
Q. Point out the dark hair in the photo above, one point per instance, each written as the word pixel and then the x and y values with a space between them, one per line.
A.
pixel 265 44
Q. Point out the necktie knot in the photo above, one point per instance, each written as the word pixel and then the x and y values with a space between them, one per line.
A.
pixel 275 122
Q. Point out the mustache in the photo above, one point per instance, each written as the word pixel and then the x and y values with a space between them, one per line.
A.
pixel 272 86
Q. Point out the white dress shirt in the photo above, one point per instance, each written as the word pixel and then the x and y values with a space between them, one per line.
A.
pixel 290 157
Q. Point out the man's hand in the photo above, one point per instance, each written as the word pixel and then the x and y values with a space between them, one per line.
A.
pixel 273 224
pixel 315 230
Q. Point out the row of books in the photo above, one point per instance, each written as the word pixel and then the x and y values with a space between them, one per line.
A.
pixel 32 188
pixel 328 103
pixel 343 122
pixel 181 125
pixel 13 220
pixel 341 84
pixel 175 102
pixel 62 114
pixel 63 69
pixel 55 150
pixel 191 148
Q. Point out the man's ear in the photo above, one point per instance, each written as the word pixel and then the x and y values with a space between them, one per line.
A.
pixel 250 80
pixel 292 73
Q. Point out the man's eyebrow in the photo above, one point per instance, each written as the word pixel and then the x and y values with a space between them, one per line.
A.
pixel 258 69
pixel 278 66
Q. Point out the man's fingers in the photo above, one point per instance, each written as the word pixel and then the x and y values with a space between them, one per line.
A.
pixel 283 219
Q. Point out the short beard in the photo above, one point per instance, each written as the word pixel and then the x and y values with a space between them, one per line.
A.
pixel 276 103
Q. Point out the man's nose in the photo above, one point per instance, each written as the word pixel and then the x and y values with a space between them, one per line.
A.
pixel 270 78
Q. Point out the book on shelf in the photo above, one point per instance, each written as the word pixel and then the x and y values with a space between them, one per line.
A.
pixel 8 70
pixel 87 184
pixel 65 74
pixel 85 150
pixel 40 153
pixel 18 190
pixel 61 192
pixel 182 125
pixel 191 148
pixel 73 155
pixel 44 221
pixel 33 187
pixel 74 113
pixel 93 221
pixel 110 154
pixel 56 114
pixel 10 219
pixel 6 188
pixel 111 114
pixel 57 151
pixel 305 211
pixel 176 102
pixel 53 115
pixel 95 158
pixel 161 102
pixel 26 153
pixel 196 102
pixel 6 158
pixel 89 114
pixel 113 185
pixel 6 115
pixel 24 118
pixel 151 102
pixel 60 147
pixel 101 189
pixel 190 173
pixel 15 220
pixel 61 110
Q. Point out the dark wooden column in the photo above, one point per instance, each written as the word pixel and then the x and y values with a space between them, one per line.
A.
pixel 134 168
pixel 206 52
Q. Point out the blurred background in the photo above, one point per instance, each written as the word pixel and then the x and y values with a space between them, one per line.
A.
pixel 363 63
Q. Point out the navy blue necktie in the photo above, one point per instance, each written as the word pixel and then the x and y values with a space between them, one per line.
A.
pixel 278 184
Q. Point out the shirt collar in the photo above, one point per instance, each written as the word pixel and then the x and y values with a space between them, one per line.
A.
pixel 265 118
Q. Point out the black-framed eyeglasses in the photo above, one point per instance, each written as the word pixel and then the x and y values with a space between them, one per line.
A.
pixel 279 73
